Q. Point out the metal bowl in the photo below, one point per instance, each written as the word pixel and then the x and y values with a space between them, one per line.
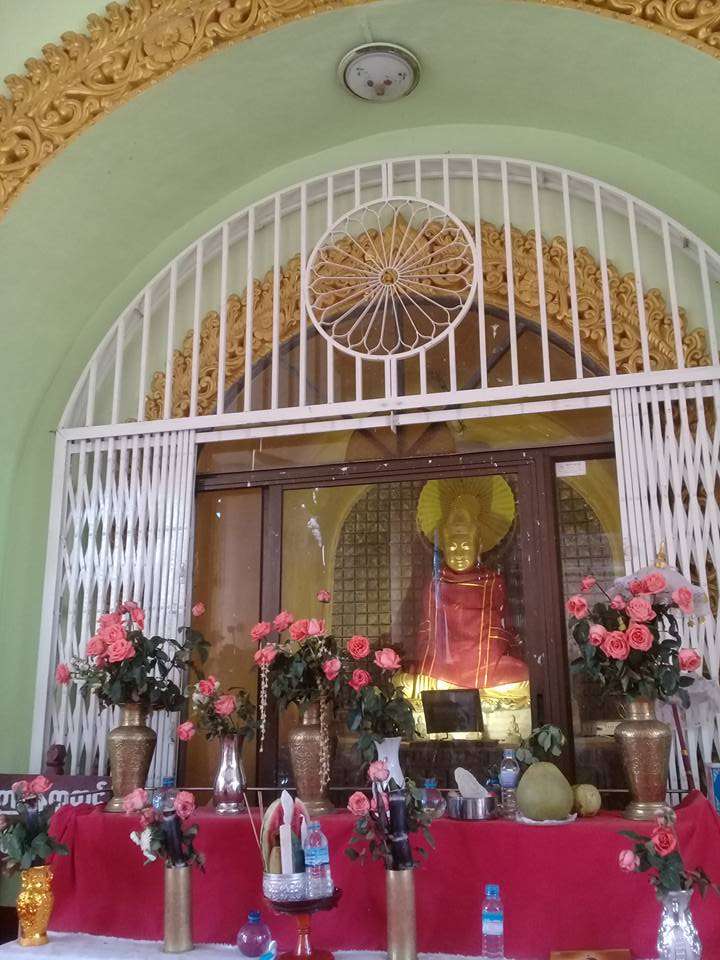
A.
pixel 471 808
pixel 285 886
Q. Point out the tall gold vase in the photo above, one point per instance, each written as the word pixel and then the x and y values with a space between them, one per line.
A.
pixel 401 939
pixel 34 905
pixel 304 743
pixel 644 743
pixel 178 909
pixel 130 747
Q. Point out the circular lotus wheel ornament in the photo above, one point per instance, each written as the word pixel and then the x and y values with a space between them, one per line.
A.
pixel 391 277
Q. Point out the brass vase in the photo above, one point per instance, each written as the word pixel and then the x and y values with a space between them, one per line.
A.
pixel 305 748
pixel 34 905
pixel 401 940
pixel 177 935
pixel 229 785
pixel 644 745
pixel 130 747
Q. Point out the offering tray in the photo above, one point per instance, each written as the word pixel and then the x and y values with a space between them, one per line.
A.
pixel 471 808
pixel 303 910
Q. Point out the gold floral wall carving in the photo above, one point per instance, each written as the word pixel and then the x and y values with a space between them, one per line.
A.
pixel 133 45
pixel 623 301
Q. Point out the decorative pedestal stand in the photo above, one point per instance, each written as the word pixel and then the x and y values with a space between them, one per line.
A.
pixel 302 910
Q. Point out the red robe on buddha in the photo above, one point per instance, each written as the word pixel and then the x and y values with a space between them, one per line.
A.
pixel 465 638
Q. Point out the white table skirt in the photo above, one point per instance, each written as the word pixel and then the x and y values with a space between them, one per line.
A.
pixel 68 946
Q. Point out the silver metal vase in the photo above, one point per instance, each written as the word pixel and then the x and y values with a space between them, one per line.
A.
pixel 229 785
pixel 677 937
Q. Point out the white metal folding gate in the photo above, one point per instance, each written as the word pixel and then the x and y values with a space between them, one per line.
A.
pixel 124 532
pixel 666 448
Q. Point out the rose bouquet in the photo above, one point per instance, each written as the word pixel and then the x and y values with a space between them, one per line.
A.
pixel 164 834
pixel 659 854
pixel 630 643
pixel 384 823
pixel 377 705
pixel 123 665
pixel 218 713
pixel 25 840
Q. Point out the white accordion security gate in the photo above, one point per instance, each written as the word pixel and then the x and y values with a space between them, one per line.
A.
pixel 395 292
pixel 125 531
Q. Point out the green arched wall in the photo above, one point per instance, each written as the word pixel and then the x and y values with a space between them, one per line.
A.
pixel 499 77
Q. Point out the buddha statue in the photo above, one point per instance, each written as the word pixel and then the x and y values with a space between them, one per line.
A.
pixel 466 638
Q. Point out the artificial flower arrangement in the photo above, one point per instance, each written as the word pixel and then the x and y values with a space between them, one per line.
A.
pixel 25 840
pixel 218 713
pixel 377 705
pixel 630 642
pixel 123 665
pixel 660 854
pixel 164 834
pixel 385 822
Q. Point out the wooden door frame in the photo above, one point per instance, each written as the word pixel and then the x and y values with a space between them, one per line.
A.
pixel 540 562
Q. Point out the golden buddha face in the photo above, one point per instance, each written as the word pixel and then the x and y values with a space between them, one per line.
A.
pixel 460 537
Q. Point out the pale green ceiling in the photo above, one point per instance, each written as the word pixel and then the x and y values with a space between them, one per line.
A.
pixel 589 93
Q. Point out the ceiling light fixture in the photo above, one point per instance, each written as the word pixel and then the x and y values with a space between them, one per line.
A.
pixel 379 72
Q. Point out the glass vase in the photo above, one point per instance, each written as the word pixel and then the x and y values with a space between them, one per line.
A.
pixel 677 937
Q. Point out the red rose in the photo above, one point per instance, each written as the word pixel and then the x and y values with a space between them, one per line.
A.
pixel 639 636
pixel 358 647
pixel 637 587
pixel 664 840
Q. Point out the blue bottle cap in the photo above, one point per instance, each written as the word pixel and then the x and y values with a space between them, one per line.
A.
pixel 254 916
pixel 508 753
pixel 314 825
pixel 492 891
pixel 431 782
pixel 168 781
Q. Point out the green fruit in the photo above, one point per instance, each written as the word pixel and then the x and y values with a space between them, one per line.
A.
pixel 544 794
pixel 587 799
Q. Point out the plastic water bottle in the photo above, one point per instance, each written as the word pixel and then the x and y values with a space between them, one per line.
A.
pixel 432 799
pixel 493 935
pixel 509 776
pixel 317 863
pixel 254 938
pixel 164 798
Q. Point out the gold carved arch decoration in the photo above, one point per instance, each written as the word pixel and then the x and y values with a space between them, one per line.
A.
pixel 85 76
pixel 623 303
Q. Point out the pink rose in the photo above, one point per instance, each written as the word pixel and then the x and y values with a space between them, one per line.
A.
pixel 331 668
pixel 617 602
pixel 186 731
pixel 616 645
pixel 102 660
pixel 129 605
pixel 96 646
pixel 265 655
pixel 358 804
pixel 628 861
pixel 62 674
pixel 207 688
pixel 120 650
pixel 138 618
pixel 655 582
pixel 378 771
pixel 225 705
pixel 639 636
pixel 20 786
pixel 360 679
pixel 323 596
pixel 640 610
pixel 689 659
pixel 316 628
pixel 282 621
pixel 39 785
pixel 637 587
pixel 587 583
pixel 135 801
pixel 597 635
pixel 112 633
pixel 577 607
pixel 664 840
pixel 184 804
pixel 299 631
pixel 684 599
pixel 110 619
pixel 387 659
pixel 358 647
pixel 260 631
pixel 198 609
pixel 148 816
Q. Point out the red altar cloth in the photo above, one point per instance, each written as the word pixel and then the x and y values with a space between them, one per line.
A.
pixel 561 886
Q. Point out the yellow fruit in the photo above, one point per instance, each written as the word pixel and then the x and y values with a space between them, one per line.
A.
pixel 544 794
pixel 587 799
